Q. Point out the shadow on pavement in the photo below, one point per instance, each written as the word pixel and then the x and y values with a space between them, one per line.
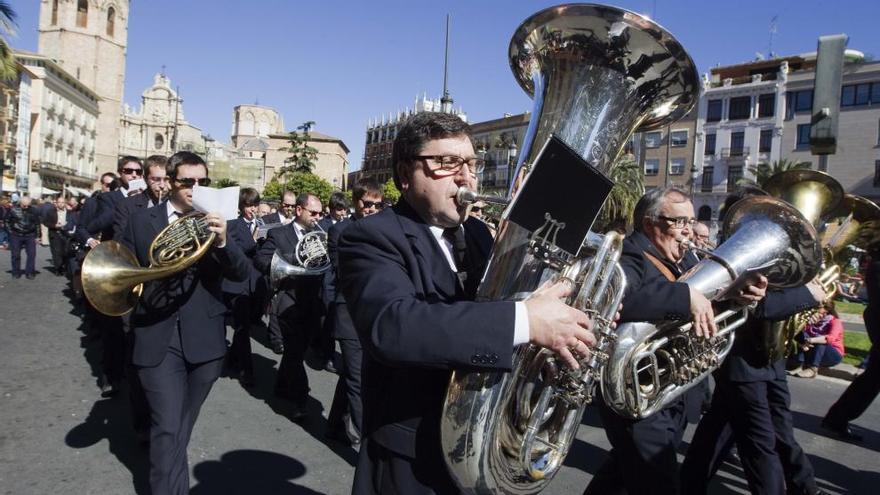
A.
pixel 110 419
pixel 315 424
pixel 813 424
pixel 249 471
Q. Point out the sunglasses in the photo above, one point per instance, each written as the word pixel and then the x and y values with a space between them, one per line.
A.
pixel 373 204
pixel 288 205
pixel 189 182
pixel 476 209
pixel 315 213
pixel 135 171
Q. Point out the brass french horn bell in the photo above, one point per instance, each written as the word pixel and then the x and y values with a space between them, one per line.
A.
pixel 815 194
pixel 855 221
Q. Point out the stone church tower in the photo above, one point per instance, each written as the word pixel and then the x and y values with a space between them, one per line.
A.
pixel 88 39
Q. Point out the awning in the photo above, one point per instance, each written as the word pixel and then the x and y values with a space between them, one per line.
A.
pixel 78 191
pixel 8 184
pixel 45 191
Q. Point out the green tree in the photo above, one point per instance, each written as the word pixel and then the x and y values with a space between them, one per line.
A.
pixel 302 156
pixel 8 66
pixel 301 182
pixel 764 171
pixel 273 189
pixel 628 187
pixel 224 182
pixel 390 192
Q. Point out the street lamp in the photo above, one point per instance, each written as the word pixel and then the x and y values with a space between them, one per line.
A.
pixel 511 161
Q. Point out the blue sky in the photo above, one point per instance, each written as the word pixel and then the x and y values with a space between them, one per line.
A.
pixel 342 63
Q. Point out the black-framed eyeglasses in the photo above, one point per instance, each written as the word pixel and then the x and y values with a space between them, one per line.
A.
pixel 135 171
pixel 189 182
pixel 476 209
pixel 372 204
pixel 679 222
pixel 447 165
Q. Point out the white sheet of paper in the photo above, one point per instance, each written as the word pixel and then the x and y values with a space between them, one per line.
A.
pixel 134 185
pixel 223 201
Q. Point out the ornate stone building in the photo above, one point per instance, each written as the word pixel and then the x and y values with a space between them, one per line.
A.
pixel 254 121
pixel 87 39
pixel 159 126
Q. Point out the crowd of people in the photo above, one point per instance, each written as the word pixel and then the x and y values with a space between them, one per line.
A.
pixel 399 301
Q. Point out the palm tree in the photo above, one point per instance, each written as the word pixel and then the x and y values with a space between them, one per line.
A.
pixel 8 66
pixel 628 187
pixel 764 171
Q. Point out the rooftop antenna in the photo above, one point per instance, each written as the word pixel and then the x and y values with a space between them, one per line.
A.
pixel 163 70
pixel 446 101
pixel 773 30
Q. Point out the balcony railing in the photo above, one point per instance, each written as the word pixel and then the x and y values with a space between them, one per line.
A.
pixel 47 167
pixel 735 152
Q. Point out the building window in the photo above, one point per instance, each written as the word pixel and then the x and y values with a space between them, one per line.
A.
pixel 713 111
pixel 858 94
pixel 678 138
pixel 766 140
pixel 705 213
pixel 676 166
pixel 159 141
pixel 710 144
pixel 737 143
pixel 876 173
pixel 111 21
pixel 82 13
pixel 875 93
pixel 803 100
pixel 734 174
pixel 740 108
pixel 767 105
pixel 803 136
pixel 652 139
pixel 707 179
pixel 54 12
pixel 652 166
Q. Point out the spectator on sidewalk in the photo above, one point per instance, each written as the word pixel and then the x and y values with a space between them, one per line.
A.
pixel 24 224
pixel 820 344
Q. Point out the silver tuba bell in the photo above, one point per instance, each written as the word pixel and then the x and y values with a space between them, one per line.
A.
pixel 652 365
pixel 310 257
pixel 596 74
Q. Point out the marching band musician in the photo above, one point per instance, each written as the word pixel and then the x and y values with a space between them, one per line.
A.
pixel 750 405
pixel 246 299
pixel 157 179
pixel 297 305
pixel 402 277
pixel 643 455
pixel 178 325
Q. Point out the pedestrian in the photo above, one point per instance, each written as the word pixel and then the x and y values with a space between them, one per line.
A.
pixel 24 225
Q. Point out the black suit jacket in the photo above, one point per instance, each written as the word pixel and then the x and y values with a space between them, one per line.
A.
pixel 123 210
pixel 271 218
pixel 416 323
pixel 748 359
pixel 87 213
pixel 650 296
pixel 331 292
pixel 191 299
pixel 102 222
pixel 237 231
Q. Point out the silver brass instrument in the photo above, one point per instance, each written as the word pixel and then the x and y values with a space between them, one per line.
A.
pixel 652 365
pixel 310 257
pixel 596 74
pixel 112 278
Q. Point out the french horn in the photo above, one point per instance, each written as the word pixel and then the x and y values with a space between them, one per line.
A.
pixel 596 74
pixel 310 257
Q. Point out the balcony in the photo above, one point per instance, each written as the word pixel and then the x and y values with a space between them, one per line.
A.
pixel 50 169
pixel 735 154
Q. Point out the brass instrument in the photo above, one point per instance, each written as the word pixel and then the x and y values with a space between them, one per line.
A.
pixel 855 221
pixel 310 257
pixel 652 365
pixel 113 279
pixel 597 74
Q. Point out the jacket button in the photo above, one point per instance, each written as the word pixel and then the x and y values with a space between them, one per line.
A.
pixel 474 360
pixel 493 360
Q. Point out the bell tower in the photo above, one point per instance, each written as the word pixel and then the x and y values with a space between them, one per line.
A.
pixel 88 39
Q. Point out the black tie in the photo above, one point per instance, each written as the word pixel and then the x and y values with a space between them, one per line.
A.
pixel 455 236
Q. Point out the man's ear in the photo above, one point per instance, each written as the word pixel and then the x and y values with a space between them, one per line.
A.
pixel 404 173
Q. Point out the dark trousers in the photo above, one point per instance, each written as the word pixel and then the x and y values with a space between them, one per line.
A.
pixel 274 327
pixel 744 408
pixel 175 390
pixel 29 243
pixel 112 346
pixel 861 392
pixel 820 356
pixel 245 313
pixel 643 452
pixel 715 436
pixel 347 401
pixel 58 247
pixel 140 409
pixel 381 471
pixel 298 321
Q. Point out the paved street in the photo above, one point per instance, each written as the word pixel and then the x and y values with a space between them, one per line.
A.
pixel 58 436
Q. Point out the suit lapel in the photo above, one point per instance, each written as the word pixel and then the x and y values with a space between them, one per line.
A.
pixel 426 248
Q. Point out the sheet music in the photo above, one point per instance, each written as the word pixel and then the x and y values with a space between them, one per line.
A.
pixel 223 201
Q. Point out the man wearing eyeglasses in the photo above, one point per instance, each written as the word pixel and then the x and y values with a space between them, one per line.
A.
pixel 286 210
pixel 129 168
pixel 643 454
pixel 158 184
pixel 178 325
pixel 344 421
pixel 297 305
pixel 409 275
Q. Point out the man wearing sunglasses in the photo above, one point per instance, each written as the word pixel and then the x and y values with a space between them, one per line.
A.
pixel 344 421
pixel 297 305
pixel 129 168
pixel 643 455
pixel 286 210
pixel 158 184
pixel 409 275
pixel 178 325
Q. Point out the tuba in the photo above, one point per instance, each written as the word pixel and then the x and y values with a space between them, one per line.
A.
pixel 310 257
pixel 596 74
pixel 652 365
pixel 113 279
